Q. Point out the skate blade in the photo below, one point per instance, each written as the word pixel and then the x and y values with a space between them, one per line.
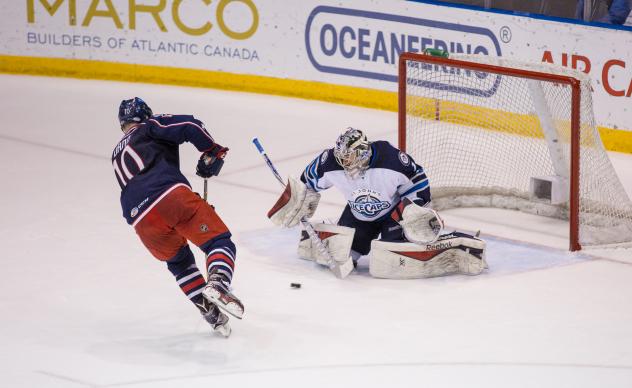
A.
pixel 224 330
pixel 231 308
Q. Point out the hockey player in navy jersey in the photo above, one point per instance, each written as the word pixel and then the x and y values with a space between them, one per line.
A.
pixel 388 196
pixel 158 202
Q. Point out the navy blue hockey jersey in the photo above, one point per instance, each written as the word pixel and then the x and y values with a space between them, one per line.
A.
pixel 391 176
pixel 147 163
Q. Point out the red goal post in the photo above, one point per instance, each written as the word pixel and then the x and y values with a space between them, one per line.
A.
pixel 441 64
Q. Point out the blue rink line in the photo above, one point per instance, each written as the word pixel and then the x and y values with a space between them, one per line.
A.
pixel 278 247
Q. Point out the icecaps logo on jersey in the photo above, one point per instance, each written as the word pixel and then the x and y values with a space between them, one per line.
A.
pixel 367 44
pixel 368 202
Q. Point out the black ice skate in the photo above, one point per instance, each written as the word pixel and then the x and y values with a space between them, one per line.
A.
pixel 217 291
pixel 215 318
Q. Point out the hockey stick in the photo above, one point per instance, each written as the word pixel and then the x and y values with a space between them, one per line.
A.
pixel 205 189
pixel 340 270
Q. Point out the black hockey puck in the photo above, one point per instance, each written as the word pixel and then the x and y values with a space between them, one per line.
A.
pixel 295 285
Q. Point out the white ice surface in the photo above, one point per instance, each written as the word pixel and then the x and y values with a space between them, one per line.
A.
pixel 82 304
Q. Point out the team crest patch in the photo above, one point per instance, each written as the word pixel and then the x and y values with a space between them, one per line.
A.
pixel 368 203
pixel 203 228
pixel 323 157
pixel 134 212
pixel 404 158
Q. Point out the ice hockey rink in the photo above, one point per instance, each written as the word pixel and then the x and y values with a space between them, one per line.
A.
pixel 84 305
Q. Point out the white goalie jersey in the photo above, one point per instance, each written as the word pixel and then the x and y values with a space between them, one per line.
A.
pixel 391 176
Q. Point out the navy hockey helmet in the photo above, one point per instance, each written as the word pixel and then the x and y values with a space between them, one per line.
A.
pixel 133 110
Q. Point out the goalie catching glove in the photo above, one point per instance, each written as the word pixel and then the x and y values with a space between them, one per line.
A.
pixel 421 224
pixel 296 202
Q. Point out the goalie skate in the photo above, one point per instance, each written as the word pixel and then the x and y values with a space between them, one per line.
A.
pixel 217 291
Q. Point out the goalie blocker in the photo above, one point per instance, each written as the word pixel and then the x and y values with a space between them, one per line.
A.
pixel 296 202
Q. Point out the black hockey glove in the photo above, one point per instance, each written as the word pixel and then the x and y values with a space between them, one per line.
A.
pixel 211 162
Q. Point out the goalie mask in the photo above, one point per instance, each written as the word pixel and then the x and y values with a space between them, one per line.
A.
pixel 353 152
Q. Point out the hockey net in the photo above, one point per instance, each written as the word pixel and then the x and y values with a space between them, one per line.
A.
pixel 492 132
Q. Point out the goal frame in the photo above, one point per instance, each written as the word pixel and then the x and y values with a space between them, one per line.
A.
pixel 574 84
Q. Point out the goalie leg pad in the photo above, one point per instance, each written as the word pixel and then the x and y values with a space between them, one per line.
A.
pixel 454 253
pixel 337 240
pixel 296 202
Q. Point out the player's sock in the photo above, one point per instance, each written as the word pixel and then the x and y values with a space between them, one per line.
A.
pixel 192 283
pixel 220 258
pixel 187 274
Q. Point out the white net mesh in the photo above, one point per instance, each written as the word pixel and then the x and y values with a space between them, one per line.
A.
pixel 482 137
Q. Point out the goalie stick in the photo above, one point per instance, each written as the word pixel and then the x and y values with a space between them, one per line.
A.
pixel 340 270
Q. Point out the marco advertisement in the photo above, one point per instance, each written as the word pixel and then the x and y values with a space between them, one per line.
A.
pixel 354 43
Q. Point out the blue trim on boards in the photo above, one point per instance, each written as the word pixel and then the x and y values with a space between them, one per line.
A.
pixel 526 14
